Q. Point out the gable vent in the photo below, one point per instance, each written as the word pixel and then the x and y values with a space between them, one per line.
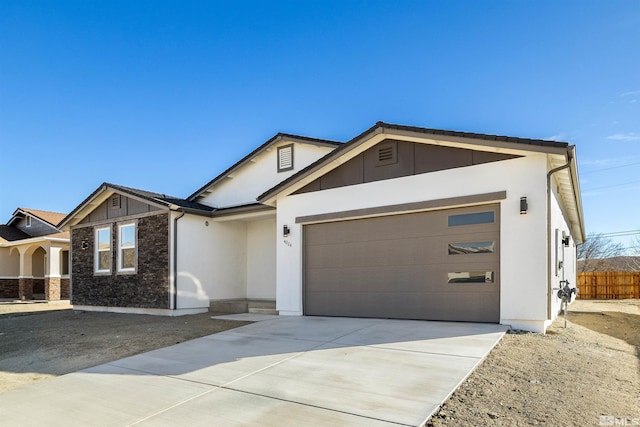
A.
pixel 285 158
pixel 385 153
pixel 115 201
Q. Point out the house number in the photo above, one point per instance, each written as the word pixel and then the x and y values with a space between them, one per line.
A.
pixel 288 243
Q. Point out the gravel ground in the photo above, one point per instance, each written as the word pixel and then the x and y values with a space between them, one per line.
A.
pixel 571 376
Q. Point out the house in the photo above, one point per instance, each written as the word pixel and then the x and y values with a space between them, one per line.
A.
pixel 399 222
pixel 143 252
pixel 34 256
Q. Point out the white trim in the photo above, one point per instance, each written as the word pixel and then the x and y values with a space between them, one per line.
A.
pixel 135 310
pixel 9 277
pixel 29 277
pixel 33 240
pixel 28 221
pixel 134 247
pixel 96 250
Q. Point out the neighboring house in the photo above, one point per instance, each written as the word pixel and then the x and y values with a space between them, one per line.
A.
pixel 34 256
pixel 400 222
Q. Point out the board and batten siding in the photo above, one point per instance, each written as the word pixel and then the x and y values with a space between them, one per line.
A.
pixel 37 227
pixel 122 207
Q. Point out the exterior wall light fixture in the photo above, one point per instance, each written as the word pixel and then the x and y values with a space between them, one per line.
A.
pixel 285 231
pixel 524 206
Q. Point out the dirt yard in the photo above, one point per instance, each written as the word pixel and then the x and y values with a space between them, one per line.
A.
pixel 568 377
pixel 39 340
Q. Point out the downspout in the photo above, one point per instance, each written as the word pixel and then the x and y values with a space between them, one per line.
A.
pixel 175 261
pixel 549 237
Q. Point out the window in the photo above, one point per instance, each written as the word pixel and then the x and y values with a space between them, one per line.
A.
pixel 64 260
pixel 471 248
pixel 28 221
pixel 471 277
pixel 103 250
pixel 285 158
pixel 127 247
pixel 471 218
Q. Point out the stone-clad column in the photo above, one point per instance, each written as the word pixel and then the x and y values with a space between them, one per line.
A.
pixel 52 288
pixel 52 277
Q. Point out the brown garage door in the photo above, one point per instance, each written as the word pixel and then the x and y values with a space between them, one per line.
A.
pixel 440 265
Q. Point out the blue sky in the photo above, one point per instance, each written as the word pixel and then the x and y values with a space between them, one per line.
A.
pixel 164 95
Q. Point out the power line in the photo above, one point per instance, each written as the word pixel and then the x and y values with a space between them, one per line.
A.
pixel 612 167
pixel 613 185
pixel 619 233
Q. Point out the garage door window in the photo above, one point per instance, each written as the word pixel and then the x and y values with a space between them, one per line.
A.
pixel 471 218
pixel 471 277
pixel 471 248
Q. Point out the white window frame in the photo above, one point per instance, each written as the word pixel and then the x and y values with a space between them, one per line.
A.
pixel 97 251
pixel 134 247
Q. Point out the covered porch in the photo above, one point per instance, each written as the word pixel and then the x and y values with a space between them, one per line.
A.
pixel 36 268
pixel 227 262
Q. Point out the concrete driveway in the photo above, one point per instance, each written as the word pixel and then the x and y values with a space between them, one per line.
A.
pixel 284 371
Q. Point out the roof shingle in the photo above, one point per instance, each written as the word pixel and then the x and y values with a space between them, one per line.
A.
pixel 52 218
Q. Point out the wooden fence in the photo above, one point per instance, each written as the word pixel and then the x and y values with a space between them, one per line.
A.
pixel 609 285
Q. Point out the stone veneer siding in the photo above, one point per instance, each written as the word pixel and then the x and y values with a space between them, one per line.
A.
pixel 38 286
pixel 9 288
pixel 147 288
pixel 65 290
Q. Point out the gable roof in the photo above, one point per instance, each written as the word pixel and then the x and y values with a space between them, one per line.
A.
pixel 395 130
pixel 273 140
pixel 162 199
pixel 11 234
pixel 158 199
pixel 51 218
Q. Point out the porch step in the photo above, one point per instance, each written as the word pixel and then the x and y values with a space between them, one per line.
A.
pixel 263 311
pixel 243 306
pixel 259 303
pixel 228 306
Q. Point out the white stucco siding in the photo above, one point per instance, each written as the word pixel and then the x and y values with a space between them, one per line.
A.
pixel 261 259
pixel 37 263
pixel 211 261
pixel 559 253
pixel 261 174
pixel 523 237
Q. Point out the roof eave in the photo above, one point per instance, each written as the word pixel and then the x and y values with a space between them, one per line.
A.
pixel 577 194
pixel 273 140
pixel 96 198
pixel 33 240
pixel 383 130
